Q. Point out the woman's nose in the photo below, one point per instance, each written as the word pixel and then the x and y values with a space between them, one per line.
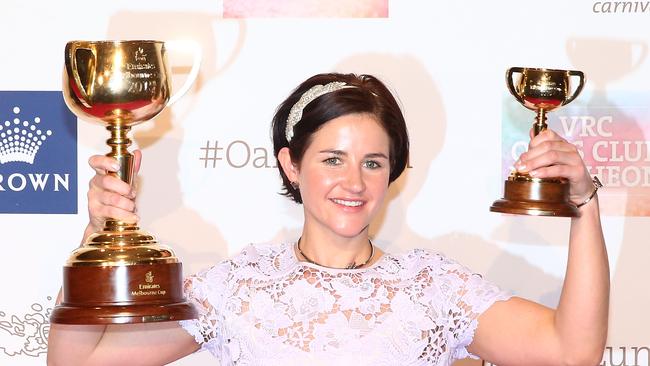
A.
pixel 353 181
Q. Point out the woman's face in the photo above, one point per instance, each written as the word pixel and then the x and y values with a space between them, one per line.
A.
pixel 343 175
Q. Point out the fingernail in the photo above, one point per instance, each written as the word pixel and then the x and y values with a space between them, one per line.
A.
pixel 115 167
pixel 520 166
pixel 533 173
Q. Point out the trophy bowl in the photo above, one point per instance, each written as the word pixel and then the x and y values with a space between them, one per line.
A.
pixel 120 274
pixel 116 82
pixel 540 90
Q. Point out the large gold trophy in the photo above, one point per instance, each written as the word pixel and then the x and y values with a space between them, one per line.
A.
pixel 540 90
pixel 120 274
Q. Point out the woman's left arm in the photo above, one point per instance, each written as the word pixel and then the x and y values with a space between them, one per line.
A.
pixel 519 331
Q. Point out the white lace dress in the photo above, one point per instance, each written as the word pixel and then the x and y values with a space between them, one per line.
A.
pixel 265 307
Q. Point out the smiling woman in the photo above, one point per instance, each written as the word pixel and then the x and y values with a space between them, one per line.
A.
pixel 332 296
pixel 340 141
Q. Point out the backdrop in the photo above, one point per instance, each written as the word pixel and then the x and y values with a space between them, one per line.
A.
pixel 208 184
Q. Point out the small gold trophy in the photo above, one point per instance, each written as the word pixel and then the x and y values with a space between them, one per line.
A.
pixel 540 90
pixel 120 274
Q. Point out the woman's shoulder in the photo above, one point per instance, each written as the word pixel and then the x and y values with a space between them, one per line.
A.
pixel 432 269
pixel 423 257
pixel 256 251
pixel 254 258
pixel 419 262
pixel 265 257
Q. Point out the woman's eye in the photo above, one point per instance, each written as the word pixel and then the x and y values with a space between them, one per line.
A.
pixel 332 161
pixel 372 164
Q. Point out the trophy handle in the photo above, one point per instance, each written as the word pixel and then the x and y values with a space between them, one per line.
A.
pixel 581 76
pixel 511 86
pixel 73 71
pixel 195 49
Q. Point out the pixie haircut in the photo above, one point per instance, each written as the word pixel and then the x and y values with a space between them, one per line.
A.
pixel 367 95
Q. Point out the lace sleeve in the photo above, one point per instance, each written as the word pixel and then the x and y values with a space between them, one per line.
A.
pixel 469 296
pixel 206 291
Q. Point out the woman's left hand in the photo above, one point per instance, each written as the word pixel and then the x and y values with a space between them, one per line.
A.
pixel 551 156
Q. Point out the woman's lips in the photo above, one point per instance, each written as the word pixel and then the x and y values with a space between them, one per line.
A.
pixel 348 203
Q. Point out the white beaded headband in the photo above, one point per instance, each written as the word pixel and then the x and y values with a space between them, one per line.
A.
pixel 295 114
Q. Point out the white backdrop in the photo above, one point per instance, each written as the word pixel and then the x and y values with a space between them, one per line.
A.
pixel 445 61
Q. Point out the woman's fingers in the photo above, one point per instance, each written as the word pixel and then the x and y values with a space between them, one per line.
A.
pixel 547 146
pixel 551 156
pixel 569 172
pixel 99 212
pixel 112 199
pixel 545 137
pixel 103 164
pixel 547 157
pixel 111 183
pixel 546 149
pixel 108 195
pixel 104 204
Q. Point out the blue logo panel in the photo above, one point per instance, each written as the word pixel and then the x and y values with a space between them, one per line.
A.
pixel 38 153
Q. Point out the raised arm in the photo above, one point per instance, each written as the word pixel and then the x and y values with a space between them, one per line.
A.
pixel 518 331
pixel 136 344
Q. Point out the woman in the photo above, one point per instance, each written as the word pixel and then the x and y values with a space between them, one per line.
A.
pixel 332 297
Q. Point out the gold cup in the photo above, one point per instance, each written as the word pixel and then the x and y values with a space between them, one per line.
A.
pixel 540 90
pixel 121 274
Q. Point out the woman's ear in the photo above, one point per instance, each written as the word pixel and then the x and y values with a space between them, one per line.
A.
pixel 289 168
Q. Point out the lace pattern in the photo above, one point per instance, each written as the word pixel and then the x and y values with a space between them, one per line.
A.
pixel 264 307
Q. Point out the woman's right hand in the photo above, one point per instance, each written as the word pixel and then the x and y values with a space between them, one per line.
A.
pixel 108 195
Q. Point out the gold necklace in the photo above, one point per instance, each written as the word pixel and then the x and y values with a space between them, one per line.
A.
pixel 350 266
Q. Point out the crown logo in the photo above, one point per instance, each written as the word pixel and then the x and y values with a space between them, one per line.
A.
pixel 140 55
pixel 148 277
pixel 21 140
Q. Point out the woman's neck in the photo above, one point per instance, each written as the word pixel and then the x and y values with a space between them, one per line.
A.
pixel 336 251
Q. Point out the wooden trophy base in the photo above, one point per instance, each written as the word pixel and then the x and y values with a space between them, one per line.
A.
pixel 121 277
pixel 122 314
pixel 138 293
pixel 524 195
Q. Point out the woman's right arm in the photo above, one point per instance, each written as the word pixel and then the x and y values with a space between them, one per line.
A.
pixel 128 344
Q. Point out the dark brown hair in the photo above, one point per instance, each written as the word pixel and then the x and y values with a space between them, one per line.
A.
pixel 369 96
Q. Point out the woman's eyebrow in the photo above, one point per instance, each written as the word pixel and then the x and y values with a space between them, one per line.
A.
pixel 343 153
pixel 377 155
pixel 333 151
